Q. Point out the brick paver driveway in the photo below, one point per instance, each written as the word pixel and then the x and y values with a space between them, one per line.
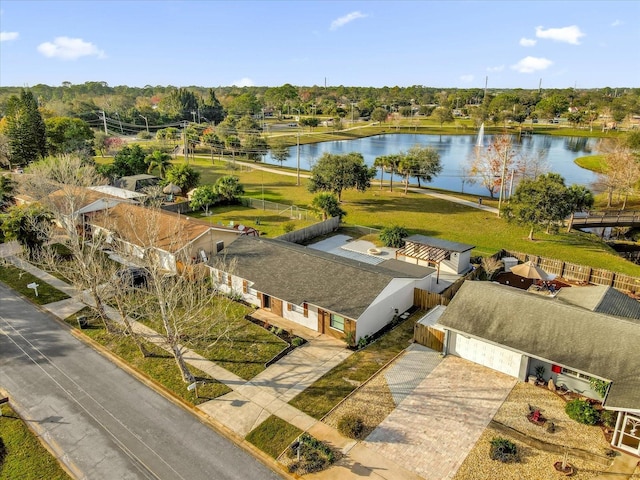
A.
pixel 434 428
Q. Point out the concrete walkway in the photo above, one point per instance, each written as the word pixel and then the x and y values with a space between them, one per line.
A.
pixel 622 468
pixel 451 198
pixel 251 402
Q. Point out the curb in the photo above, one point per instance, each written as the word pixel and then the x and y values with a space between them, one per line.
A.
pixel 219 428
pixel 169 395
pixel 49 444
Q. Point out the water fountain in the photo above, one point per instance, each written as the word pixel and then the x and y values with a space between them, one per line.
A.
pixel 480 141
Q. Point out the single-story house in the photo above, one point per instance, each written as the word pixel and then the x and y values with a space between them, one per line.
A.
pixel 444 255
pixel 330 294
pixel 168 237
pixel 514 332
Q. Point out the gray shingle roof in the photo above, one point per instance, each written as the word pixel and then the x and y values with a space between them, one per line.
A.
pixel 299 274
pixel 439 243
pixel 602 345
pixel 602 299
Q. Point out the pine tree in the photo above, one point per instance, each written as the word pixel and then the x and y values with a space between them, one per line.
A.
pixel 25 129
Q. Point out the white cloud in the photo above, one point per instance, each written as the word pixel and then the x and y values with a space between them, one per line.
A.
pixel 349 17
pixel 243 82
pixel 466 78
pixel 67 48
pixel 532 64
pixel 528 42
pixel 8 36
pixel 570 34
pixel 616 23
pixel 497 68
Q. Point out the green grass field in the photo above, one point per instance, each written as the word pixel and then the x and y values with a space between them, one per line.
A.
pixel 23 456
pixel 273 436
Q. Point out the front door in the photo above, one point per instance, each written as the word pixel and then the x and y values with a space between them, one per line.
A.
pixel 266 301
pixel 629 439
pixel 276 306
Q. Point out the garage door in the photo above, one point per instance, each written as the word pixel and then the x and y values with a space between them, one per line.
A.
pixel 483 353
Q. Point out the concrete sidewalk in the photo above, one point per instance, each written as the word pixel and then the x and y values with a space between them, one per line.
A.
pixel 451 198
pixel 251 402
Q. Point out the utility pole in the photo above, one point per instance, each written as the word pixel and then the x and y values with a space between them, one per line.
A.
pixel 298 156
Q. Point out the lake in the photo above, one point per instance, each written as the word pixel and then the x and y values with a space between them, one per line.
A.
pixel 455 150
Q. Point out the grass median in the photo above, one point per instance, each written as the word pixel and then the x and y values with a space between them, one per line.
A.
pixel 22 456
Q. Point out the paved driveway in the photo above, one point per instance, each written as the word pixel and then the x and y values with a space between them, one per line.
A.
pixel 434 428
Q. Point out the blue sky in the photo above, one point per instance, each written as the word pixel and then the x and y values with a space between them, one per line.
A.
pixel 583 44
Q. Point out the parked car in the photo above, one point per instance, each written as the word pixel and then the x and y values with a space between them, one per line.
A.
pixel 136 277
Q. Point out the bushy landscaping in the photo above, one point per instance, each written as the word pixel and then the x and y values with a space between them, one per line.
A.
pixel 582 411
pixel 21 454
pixel 503 450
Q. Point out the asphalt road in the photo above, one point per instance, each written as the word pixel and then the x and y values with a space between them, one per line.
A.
pixel 103 422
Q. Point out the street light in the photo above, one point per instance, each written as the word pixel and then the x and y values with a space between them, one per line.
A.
pixel 146 122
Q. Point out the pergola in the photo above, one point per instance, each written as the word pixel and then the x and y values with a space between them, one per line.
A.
pixel 426 253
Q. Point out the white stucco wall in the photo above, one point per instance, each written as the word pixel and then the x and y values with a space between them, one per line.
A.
pixel 310 321
pixel 397 295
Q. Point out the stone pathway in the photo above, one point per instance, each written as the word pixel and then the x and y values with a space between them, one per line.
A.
pixel 432 431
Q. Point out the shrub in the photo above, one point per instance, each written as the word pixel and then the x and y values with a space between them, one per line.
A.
pixel 608 418
pixel 314 455
pixel 582 412
pixel 297 341
pixel 3 452
pixel 351 426
pixel 503 450
pixel 599 386
pixel 393 236
pixel 363 342
pixel 288 227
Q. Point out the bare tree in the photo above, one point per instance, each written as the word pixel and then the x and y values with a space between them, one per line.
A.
pixel 60 184
pixel 487 165
pixel 621 172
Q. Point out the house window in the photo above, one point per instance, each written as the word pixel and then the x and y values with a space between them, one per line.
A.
pixel 245 286
pixel 573 373
pixel 305 309
pixel 337 322
pixel 229 279
pixel 289 306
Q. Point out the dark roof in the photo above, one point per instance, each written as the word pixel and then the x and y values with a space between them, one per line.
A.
pixel 136 183
pixel 594 343
pixel 439 243
pixel 407 269
pixel 299 274
pixel 602 299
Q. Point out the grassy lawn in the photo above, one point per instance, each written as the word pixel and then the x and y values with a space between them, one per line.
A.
pixel 326 392
pixel 595 163
pixel 18 280
pixel 161 367
pixel 273 435
pixel 235 344
pixel 270 223
pixel 25 457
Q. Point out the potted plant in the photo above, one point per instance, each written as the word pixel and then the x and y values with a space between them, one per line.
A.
pixel 564 467
pixel 540 375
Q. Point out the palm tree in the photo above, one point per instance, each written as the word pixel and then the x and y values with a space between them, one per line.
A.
pixel 158 159
pixel 229 188
pixel 327 205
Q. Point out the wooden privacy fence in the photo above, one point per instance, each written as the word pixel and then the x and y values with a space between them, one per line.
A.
pixel 577 273
pixel 424 300
pixel 428 336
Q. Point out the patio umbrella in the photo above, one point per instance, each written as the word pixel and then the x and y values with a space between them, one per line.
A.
pixel 529 270
pixel 171 189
